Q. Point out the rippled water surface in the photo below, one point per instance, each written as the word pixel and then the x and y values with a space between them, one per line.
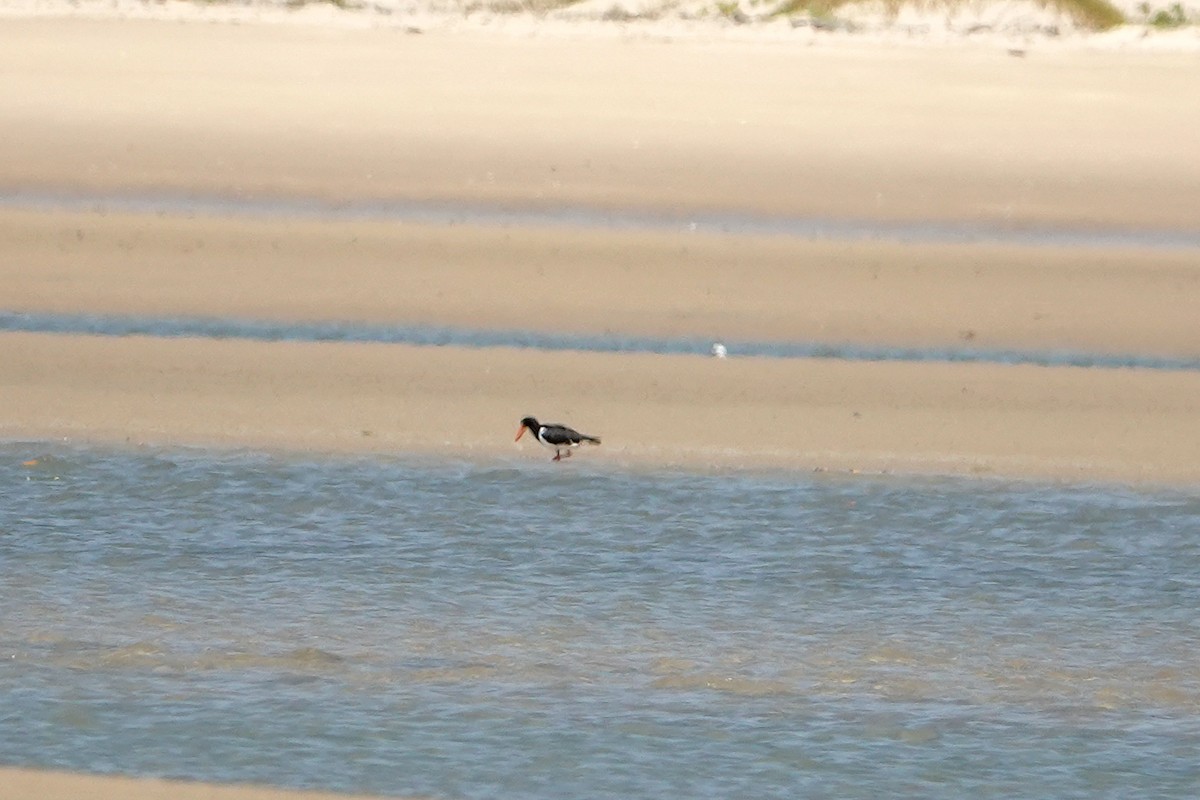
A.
pixel 531 630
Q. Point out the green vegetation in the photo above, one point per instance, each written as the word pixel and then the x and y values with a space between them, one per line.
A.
pixel 342 4
pixel 730 9
pixel 1096 15
pixel 814 8
pixel 1093 15
pixel 536 7
pixel 1173 17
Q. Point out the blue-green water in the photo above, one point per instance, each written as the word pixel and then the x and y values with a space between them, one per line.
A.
pixel 522 629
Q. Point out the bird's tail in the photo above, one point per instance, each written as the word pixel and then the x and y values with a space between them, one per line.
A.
pixel 591 439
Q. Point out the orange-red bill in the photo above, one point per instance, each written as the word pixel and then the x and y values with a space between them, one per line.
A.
pixel 520 433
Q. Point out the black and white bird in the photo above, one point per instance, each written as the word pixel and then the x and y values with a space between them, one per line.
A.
pixel 558 438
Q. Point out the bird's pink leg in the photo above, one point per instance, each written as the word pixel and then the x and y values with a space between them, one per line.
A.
pixel 557 456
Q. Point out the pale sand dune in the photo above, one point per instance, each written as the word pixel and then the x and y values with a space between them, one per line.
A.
pixel 28 784
pixel 663 284
pixel 1088 424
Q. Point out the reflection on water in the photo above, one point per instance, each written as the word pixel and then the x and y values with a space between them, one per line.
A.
pixel 529 630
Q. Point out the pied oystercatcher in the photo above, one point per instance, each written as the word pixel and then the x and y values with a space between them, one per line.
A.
pixel 558 438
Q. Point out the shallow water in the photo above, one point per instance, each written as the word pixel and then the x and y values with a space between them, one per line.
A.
pixel 561 215
pixel 438 336
pixel 528 630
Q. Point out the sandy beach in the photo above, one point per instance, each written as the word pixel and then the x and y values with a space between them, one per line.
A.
pixel 1053 136
pixel 1065 135
pixel 1096 140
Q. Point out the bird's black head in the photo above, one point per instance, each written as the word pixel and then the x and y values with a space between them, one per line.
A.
pixel 530 424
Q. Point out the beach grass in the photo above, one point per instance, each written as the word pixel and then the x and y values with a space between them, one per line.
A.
pixel 1091 15
pixel 1173 16
pixel 535 7
pixel 1095 15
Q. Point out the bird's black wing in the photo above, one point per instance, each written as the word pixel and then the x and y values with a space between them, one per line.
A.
pixel 559 435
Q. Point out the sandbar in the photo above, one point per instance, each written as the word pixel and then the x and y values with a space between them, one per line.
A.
pixel 47 785
pixel 1123 425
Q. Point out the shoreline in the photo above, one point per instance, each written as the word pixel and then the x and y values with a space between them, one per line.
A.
pixel 950 467
pixel 1090 425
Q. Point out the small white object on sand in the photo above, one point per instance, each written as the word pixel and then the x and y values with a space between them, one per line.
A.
pixel 719 351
